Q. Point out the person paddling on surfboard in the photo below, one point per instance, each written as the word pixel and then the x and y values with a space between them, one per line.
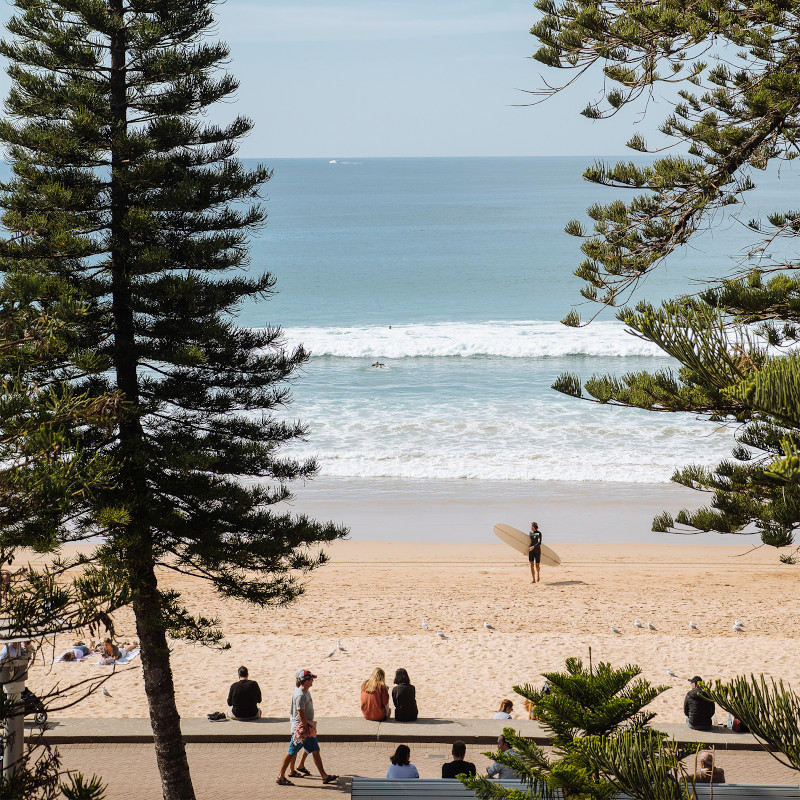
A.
pixel 535 551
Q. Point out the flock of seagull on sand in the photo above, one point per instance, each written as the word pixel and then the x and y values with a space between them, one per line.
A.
pixel 440 634
pixel 737 626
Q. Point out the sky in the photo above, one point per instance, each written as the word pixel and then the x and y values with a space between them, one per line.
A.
pixel 408 78
pixel 367 78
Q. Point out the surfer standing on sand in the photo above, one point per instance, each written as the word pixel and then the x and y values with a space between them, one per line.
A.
pixel 535 551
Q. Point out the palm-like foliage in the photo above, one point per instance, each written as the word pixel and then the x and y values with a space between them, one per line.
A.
pixel 768 708
pixel 737 110
pixel 593 704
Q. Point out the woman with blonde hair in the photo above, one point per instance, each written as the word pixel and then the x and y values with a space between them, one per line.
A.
pixel 375 697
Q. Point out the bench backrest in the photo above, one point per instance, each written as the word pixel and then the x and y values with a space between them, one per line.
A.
pixel 453 789
pixel 439 788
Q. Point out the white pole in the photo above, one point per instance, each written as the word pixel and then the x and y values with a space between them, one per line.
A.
pixel 13 673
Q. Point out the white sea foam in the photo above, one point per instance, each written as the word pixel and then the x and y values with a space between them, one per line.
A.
pixel 561 441
pixel 523 339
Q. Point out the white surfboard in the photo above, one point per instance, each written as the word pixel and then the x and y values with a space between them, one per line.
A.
pixel 521 542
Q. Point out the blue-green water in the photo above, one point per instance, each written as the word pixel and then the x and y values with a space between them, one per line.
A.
pixel 454 274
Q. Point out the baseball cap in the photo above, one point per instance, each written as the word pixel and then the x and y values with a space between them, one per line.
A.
pixel 304 674
pixel 696 679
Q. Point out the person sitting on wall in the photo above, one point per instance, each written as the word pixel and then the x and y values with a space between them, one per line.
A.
pixel 698 708
pixel 244 697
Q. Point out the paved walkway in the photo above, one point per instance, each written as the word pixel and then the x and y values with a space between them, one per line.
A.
pixel 247 771
pixel 242 759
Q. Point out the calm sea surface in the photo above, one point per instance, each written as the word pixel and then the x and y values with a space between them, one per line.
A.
pixel 454 274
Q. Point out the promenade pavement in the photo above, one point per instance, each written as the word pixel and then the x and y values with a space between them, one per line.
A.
pixel 247 771
pixel 242 759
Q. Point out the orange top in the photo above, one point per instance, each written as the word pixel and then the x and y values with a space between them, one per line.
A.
pixel 373 706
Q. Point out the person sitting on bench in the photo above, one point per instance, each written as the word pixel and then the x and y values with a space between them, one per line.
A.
pixel 708 773
pixel 458 766
pixel 498 770
pixel 401 766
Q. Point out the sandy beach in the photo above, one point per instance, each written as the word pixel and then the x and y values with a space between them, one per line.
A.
pixel 374 595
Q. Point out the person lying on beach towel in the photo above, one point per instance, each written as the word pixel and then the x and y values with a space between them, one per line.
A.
pixel 110 652
pixel 78 652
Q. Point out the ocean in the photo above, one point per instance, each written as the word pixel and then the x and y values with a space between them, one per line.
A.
pixel 454 274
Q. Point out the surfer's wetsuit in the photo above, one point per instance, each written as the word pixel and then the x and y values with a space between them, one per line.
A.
pixel 536 542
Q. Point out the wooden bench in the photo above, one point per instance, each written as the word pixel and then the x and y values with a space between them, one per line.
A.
pixel 452 789
pixel 742 791
pixel 438 788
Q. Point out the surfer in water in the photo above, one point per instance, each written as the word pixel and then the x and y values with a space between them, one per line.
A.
pixel 535 551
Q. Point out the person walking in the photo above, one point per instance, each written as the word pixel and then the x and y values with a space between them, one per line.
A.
pixel 304 732
pixel 535 551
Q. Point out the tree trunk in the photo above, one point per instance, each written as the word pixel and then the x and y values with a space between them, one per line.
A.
pixel 176 782
pixel 173 767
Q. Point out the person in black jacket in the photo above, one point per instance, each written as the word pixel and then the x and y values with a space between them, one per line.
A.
pixel 458 766
pixel 244 697
pixel 404 697
pixel 699 709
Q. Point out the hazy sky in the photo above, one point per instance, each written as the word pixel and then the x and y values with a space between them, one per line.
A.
pixel 359 78
pixel 407 78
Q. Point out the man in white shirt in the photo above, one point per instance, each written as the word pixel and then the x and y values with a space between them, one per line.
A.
pixel 304 732
pixel 498 770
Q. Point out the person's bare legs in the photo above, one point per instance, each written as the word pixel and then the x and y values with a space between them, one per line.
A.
pixel 538 577
pixel 288 760
pixel 318 761
pixel 533 572
pixel 302 764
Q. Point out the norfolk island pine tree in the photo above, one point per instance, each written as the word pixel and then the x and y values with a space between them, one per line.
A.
pixel 583 703
pixel 37 603
pixel 736 70
pixel 123 192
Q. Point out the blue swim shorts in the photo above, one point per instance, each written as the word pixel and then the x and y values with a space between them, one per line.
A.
pixel 310 745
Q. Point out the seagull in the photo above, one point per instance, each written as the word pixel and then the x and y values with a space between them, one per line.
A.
pixel 638 624
pixel 331 653
pixel 425 624
pixel 738 624
pixel 616 630
pixel 440 635
pixel 339 646
pixel 488 625
pixel 738 628
pixel 651 626
pixel 106 693
pixel 670 672
pixel 693 626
